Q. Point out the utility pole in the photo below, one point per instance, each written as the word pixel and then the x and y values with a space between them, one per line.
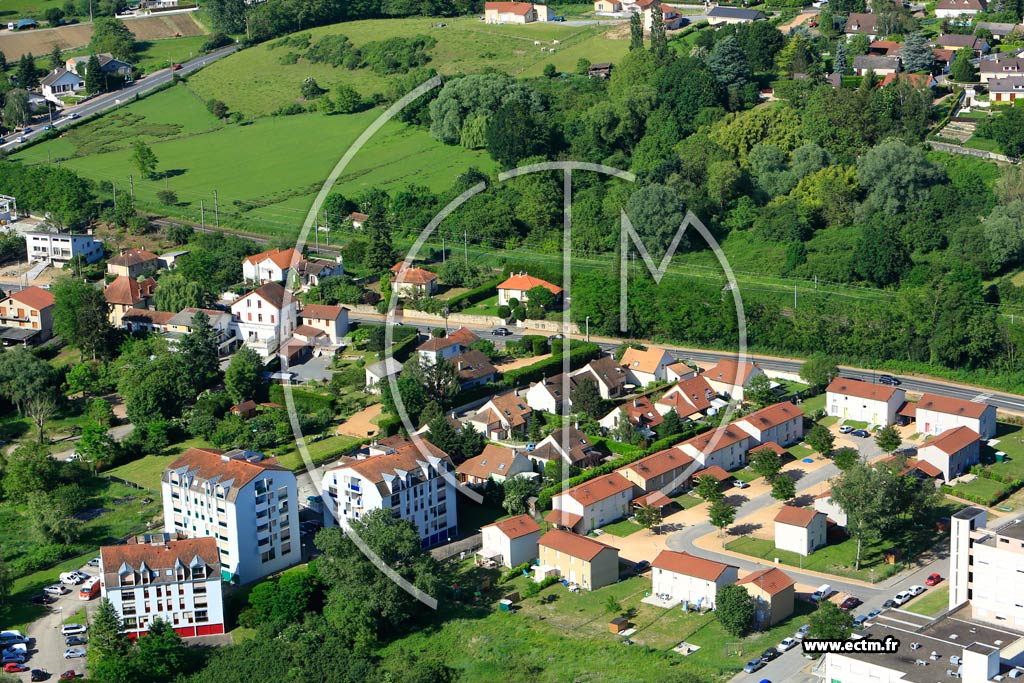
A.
pixel 794 297
pixel 327 227
pixel 316 236
pixel 216 208
pixel 202 214
pixel 112 185
pixel 465 244
pixel 443 257
pixel 131 188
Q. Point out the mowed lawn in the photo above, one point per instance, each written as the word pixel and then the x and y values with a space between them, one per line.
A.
pixel 257 82
pixel 266 172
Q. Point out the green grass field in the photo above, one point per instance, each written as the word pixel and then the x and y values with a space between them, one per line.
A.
pixel 256 82
pixel 623 527
pixel 932 602
pixel 12 10
pixel 153 55
pixel 145 471
pixel 266 172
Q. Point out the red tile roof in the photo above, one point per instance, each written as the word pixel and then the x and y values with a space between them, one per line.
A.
pixel 212 463
pixel 322 312
pixel 282 258
pixel 599 489
pixel 522 281
pixel 730 434
pixel 563 518
pixel 730 371
pixel 521 8
pixel 768 446
pixel 132 257
pixel 462 336
pixel 33 297
pixel 152 317
pixel 161 555
pixel 516 527
pixel 795 516
pixel 714 471
pixel 640 411
pixel 412 275
pixel 659 463
pixel 271 292
pixel 772 581
pixel 951 406
pixel 574 544
pixel 773 416
pixel 953 441
pixel 123 291
pixel 858 389
pixel 689 565
pixel 689 395
pixel 654 499
pixel 494 459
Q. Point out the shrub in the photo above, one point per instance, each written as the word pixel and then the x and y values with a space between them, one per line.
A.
pixel 484 291
pixel 290 109
pixel 515 572
pixel 215 41
pixel 504 312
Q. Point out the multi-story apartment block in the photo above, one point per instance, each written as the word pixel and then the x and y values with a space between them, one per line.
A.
pixel 986 568
pixel 247 503
pixel 265 318
pixel 415 480
pixel 61 247
pixel 178 581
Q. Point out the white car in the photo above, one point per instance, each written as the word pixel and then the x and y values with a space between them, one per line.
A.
pixel 72 629
pixel 902 598
pixel 786 644
pixel 74 653
pixel 802 632
pixel 916 590
pixel 845 429
pixel 740 484
pixel 57 590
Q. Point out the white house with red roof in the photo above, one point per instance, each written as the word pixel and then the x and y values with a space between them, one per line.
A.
pixel 641 414
pixel 691 398
pixel 953 9
pixel 518 284
pixel 671 17
pixel 645 366
pixel 592 504
pixel 823 503
pixel 412 281
pixel 505 416
pixel 726 447
pixel 729 377
pixel 679 371
pixel 800 530
pixel 272 265
pixel 516 12
pixel 782 423
pixel 681 577
pixel 447 347
pixel 952 452
pixel 511 542
pixel 265 318
pixel 935 414
pixel 852 399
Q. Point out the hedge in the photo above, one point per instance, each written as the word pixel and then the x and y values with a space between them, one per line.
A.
pixel 388 425
pixel 579 356
pixel 305 401
pixel 473 296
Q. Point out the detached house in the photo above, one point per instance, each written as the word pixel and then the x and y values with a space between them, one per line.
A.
pixel 799 530
pixel 641 414
pixel 952 452
pixel 447 347
pixel 851 399
pixel 549 395
pixel 109 65
pixel 955 41
pixel 592 504
pixel 952 9
pixel 568 444
pixel 863 24
pixel 61 83
pixel 381 371
pixel 495 462
pixel 511 542
pixel 681 577
pixel 474 369
pixel 729 377
pixel 1000 67
pixel 611 377
pixel 733 15
pixel 125 294
pixel 645 366
pixel 516 12
pixel 412 282
pixel 265 317
pixel 666 471
pixel 935 414
pixel 331 320
pixel 183 322
pixel 577 559
pixel 881 66
pixel 274 265
pixel 774 594
pixel 26 316
pixel 782 423
pixel 133 263
pixel 691 399
pixel 505 416
pixel 517 285
pixel 671 17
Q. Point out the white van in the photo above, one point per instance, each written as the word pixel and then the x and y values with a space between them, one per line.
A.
pixel 824 590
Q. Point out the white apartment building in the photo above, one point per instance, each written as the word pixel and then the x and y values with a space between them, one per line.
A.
pixel 415 480
pixel 935 414
pixel 592 504
pixel 178 581
pixel 782 423
pixel 687 578
pixel 61 247
pixel 247 503
pixel 986 568
pixel 265 317
pixel 851 399
pixel 511 542
pixel 726 447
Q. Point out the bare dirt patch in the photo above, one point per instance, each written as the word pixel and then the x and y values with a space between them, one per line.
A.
pixel 41 41
pixel 361 424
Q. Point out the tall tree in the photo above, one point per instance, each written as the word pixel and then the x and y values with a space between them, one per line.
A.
pixel 828 622
pixel 95 79
pixel 721 515
pixel 175 293
pixel 840 65
pixel 728 64
pixel 144 158
pixel 647 516
pixel 161 656
pixel 110 34
pixel 917 54
pixel 845 458
pixel 734 609
pixel 516 131
pixel 200 347
pixel 888 438
pixel 108 647
pixel 381 254
pixel 586 399
pixel 56 57
pixel 820 439
pixel 80 317
pixel 859 493
pixel 636 32
pixel 818 370
pixel 28 76
pixel 760 391
pixel 440 379
pixel 766 463
pixel 963 71
pixel 516 490
pixel 17 111
pixel 783 488
pixel 659 39
pixel 710 489
pixel 29 468
pixel 242 378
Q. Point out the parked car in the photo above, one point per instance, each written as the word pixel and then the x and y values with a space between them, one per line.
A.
pixel 824 590
pixel 641 566
pixel 845 429
pixel 769 654
pixel 860 620
pixel 501 332
pixel 9 657
pixel 862 433
pixel 43 599
pixel 850 603
pixel 902 598
pixel 57 589
pixel 916 590
pixel 753 665
pixel 14 668
pixel 74 653
pixel 39 674
pixel 889 604
pixel 932 580
pixel 888 380
pixel 786 644
pixel 72 641
pixel 740 484
pixel 94 562
pixel 70 675
pixel 72 629
pixel 20 648
pixel 802 632
pixel 12 636
pixel 874 613
pixel 3 140
pixel 47 127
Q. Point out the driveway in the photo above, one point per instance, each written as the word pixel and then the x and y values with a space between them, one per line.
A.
pixel 315 369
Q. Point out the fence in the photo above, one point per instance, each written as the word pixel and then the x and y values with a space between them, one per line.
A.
pixel 957 149
pixel 465 545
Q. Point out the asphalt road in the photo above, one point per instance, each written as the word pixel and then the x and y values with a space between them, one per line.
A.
pixel 114 99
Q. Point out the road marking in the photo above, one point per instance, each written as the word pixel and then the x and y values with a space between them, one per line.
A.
pixel 981 398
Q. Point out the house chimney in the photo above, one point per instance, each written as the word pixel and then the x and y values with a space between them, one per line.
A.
pixel 460 365
pixel 636 403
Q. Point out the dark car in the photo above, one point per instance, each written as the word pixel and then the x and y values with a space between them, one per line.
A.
pixel 889 604
pixel 862 433
pixel 40 674
pixel 71 641
pixel 769 654
pixel 849 603
pixel 176 67
pixel 641 566
pixel 501 332
pixel 43 599
pixel 888 380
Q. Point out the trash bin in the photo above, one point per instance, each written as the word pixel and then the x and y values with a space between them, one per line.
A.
pixel 505 605
pixel 1000 456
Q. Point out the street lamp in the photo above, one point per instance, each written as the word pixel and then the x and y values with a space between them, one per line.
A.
pixel 588 328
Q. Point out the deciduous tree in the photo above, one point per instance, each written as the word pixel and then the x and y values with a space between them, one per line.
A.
pixel 734 609
pixel 721 515
pixel 783 488
pixel 818 370
pixel 242 378
pixel 888 438
pixel 821 439
pixel 828 622
pixel 766 463
pixel 144 158
pixel 516 491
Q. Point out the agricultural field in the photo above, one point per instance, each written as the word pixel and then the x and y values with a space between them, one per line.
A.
pixel 257 81
pixel 265 171
pixel 70 38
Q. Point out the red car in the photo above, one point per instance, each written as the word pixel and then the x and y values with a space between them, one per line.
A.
pixel 932 580
pixel 175 67
pixel 849 603
pixel 70 675
pixel 14 668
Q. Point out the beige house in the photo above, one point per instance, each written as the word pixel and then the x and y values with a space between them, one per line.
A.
pixel 518 284
pixel 647 365
pixel 592 504
pixel 412 282
pixel 782 423
pixel 774 594
pixel 851 399
pixel 381 371
pixel 953 452
pixel 800 530
pixel 666 471
pixel 495 462
pixel 31 310
pixel 125 294
pixel 506 416
pixel 607 7
pixel 935 414
pixel 729 377
pixel 577 559
pixel 511 542
pixel 568 444
pixel 516 13
pixel 681 577
pixel 134 263
pixel 331 320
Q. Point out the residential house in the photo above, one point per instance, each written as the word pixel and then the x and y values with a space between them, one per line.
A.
pixel 725 447
pixel 800 530
pixel 881 66
pixel 414 480
pixel 670 16
pixel 641 414
pixel 955 9
pixel 730 377
pixel 61 83
pixel 955 41
pixel 447 347
pixel 183 322
pixel 782 423
pixel 265 317
pixel 133 263
pixel 666 471
pixel 516 12
pixel 511 542
pixel 1000 67
pixel 412 282
pixel 474 369
pixel 310 272
pixel 356 219
pixel 953 451
pixel 27 314
pixel 1006 89
pixel 125 294
pixel 175 580
pixel 999 30
pixel 824 504
pixel 108 64
pixel 169 259
pixel 145 320
pixel 607 7
pixel 691 399
pixel 518 284
pixel 885 48
pixel 505 416
pixel 935 414
pixel 60 247
pixel 592 504
pixel 732 15
pixel 246 409
pixel 943 59
pixel 248 503
pixel 852 399
pixel 381 371
pixel 611 377
pixel 602 70
pixel 331 320
pixel 862 24
pixel 550 394
pixel 684 578
pixel 679 371
pixel 274 265
pixel 577 559
pixel 645 366
pixel 568 444
pixel 497 463
pixel 774 594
